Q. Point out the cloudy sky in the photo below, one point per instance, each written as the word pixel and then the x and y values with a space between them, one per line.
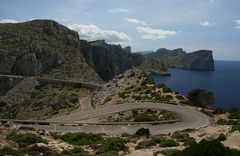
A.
pixel 142 24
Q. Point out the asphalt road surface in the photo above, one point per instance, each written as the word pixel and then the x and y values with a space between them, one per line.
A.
pixel 189 119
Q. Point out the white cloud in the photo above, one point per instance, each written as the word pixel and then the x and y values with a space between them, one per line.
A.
pixel 154 34
pixel 135 21
pixel 206 24
pixel 119 10
pixel 8 21
pixel 237 24
pixel 92 32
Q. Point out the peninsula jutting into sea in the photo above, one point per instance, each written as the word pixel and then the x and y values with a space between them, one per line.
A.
pixel 90 78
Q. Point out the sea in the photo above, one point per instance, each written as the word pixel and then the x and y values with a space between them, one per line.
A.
pixel 224 82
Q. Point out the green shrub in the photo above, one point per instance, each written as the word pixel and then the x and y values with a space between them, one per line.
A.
pixel 166 89
pixel 182 137
pixel 167 152
pixel 77 151
pixel 107 99
pixel 222 137
pixel 136 89
pixel 145 144
pixel 137 97
pixel 143 132
pixel 27 128
pixel 26 139
pixel 208 148
pixel 39 150
pixel 10 152
pixel 112 144
pixel 163 142
pixel 226 122
pixel 200 97
pixel 234 115
pixel 167 116
pixel 168 143
pixel 232 122
pixel 145 118
pixel 81 138
pixel 122 95
pixel 190 142
pixel 222 122
pixel 235 128
pixel 156 96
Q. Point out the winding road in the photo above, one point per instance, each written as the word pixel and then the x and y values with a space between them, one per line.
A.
pixel 189 119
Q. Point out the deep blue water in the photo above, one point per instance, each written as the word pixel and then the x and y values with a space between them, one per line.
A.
pixel 224 82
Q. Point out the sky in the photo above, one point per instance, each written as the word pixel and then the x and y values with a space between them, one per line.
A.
pixel 145 25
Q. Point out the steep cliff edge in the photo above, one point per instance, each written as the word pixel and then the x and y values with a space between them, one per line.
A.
pixel 42 46
pixel 198 60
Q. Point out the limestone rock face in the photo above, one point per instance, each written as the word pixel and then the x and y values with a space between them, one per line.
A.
pixel 32 47
pixel 109 60
pixel 198 60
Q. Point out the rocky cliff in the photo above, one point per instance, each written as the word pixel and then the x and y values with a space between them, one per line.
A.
pixel 198 60
pixel 111 60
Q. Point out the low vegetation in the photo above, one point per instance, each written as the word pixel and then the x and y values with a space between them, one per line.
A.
pixel 226 122
pixel 236 127
pixel 81 138
pixel 157 140
pixel 48 99
pixel 143 132
pixel 26 139
pixel 112 145
pixel 184 138
pixel 203 148
pixel 167 152
pixel 102 146
pixel 77 151
pixel 208 148
pixel 147 90
pixel 31 150
pixel 201 98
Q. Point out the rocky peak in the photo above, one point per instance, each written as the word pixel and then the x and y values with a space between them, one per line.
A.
pixel 127 49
